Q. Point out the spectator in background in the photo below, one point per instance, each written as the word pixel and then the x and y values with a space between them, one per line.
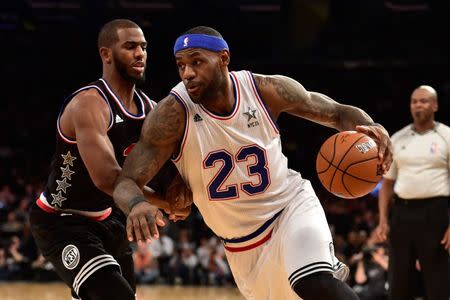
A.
pixel 371 271
pixel 43 270
pixel 12 226
pixel 184 265
pixel 162 250
pixel 4 273
pixel 203 253
pixel 146 267
pixel 418 185
pixel 218 269
pixel 18 263
pixel 7 199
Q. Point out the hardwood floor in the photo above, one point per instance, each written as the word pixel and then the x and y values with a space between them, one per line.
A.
pixel 56 291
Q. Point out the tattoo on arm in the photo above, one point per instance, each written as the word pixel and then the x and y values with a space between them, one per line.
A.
pixel 291 97
pixel 160 134
pixel 165 122
pixel 286 88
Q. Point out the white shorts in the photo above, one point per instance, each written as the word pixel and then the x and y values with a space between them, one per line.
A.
pixel 300 244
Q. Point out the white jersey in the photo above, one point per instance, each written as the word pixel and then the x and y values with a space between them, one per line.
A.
pixel 248 196
pixel 234 164
pixel 420 158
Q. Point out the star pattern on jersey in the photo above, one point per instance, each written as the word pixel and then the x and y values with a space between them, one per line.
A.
pixel 67 172
pixel 68 159
pixel 251 113
pixel 62 185
pixel 58 199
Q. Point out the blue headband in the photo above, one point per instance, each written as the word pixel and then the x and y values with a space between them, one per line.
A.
pixel 203 41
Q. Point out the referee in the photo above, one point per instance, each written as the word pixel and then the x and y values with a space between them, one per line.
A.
pixel 418 187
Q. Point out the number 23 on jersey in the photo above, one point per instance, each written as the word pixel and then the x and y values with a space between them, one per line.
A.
pixel 254 185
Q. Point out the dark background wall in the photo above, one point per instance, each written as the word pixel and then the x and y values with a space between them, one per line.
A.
pixel 365 53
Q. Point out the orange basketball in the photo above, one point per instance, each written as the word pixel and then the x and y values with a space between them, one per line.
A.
pixel 347 164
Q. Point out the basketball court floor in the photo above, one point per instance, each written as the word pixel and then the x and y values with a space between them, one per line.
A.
pixel 58 291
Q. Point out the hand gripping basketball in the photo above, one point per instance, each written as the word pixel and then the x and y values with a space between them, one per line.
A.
pixel 347 164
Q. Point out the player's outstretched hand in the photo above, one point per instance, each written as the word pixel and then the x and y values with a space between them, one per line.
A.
pixel 143 221
pixel 380 135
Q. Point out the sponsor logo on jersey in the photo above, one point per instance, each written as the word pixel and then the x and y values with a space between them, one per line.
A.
pixel 118 119
pixel 197 118
pixel 70 257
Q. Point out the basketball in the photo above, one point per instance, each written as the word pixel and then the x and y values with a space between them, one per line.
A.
pixel 347 164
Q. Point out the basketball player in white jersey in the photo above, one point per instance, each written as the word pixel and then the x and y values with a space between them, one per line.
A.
pixel 219 128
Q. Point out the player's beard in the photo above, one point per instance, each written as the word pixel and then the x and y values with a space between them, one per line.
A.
pixel 122 69
pixel 215 85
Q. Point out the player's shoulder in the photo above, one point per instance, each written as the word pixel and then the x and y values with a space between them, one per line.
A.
pixel 89 99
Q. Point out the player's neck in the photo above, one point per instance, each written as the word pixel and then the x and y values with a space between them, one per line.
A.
pixel 124 89
pixel 222 101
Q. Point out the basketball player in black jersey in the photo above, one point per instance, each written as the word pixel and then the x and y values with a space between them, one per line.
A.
pixel 75 222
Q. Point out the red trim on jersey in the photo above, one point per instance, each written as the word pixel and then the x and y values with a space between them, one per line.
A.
pixel 51 210
pixel 45 207
pixel 128 149
pixel 261 102
pixel 237 103
pixel 186 126
pixel 251 246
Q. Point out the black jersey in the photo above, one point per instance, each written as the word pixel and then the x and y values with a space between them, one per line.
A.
pixel 69 185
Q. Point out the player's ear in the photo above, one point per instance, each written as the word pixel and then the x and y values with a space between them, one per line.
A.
pixel 106 54
pixel 224 57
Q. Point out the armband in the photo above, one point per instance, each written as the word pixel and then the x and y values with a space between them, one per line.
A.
pixel 136 200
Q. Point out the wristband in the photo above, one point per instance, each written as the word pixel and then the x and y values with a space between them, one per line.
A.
pixel 136 200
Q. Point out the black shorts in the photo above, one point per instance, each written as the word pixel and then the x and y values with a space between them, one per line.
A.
pixel 78 246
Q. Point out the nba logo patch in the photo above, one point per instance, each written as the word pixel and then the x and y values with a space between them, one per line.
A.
pixel 70 257
pixel 185 41
pixel 434 148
